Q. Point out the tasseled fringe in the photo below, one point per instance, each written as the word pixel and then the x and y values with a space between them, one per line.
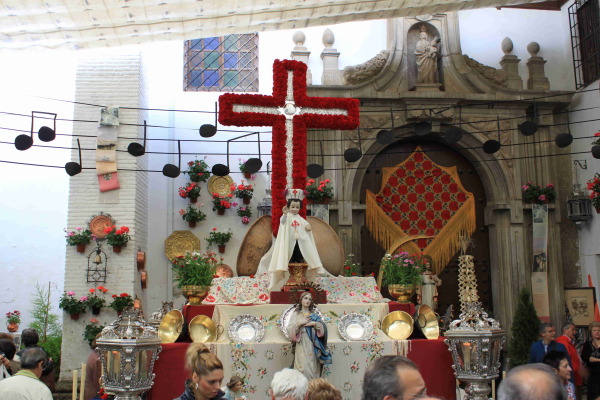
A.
pixel 402 347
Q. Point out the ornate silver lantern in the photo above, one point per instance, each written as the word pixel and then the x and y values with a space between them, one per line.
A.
pixel 128 349
pixel 264 207
pixel 579 206
pixel 475 340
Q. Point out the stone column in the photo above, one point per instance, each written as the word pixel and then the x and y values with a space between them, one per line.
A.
pixel 301 53
pixel 537 77
pixel 510 65
pixel 330 56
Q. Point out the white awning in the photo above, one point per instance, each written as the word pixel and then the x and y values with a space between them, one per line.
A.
pixel 99 23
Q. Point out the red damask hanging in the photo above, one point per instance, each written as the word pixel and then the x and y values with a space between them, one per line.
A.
pixel 421 198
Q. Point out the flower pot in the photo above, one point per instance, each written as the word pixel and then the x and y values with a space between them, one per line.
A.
pixel 402 293
pixel 221 212
pixel 597 210
pixel 221 248
pixel 195 294
pixel 192 224
pixel 96 310
pixel 193 200
pixel 247 175
pixel 309 201
pixel 246 200
pixel 117 249
pixel 12 327
pixel 81 247
pixel 325 200
pixel 74 317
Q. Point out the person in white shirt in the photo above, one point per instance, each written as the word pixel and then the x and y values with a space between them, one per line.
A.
pixel 26 384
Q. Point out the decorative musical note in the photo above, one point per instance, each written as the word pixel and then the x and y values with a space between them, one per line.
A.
pixel 173 171
pixel 72 167
pixel 208 130
pixel 136 149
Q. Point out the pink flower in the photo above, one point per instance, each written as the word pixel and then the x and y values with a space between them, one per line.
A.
pixel 525 187
pixel 71 234
pixel 245 220
pixel 93 320
pixel 542 197
pixel 181 212
pixel 71 293
pixel 83 298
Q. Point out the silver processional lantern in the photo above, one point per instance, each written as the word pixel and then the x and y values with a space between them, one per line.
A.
pixel 475 340
pixel 128 349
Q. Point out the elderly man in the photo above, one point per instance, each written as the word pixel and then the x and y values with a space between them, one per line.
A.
pixel 289 384
pixel 393 378
pixel 566 339
pixel 539 349
pixel 531 382
pixel 26 384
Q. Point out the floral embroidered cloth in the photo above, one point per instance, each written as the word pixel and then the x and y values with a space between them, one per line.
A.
pixel 246 290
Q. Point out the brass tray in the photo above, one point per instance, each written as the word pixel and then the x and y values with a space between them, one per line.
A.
pixel 99 223
pixel 427 322
pixel 203 329
pixel 170 326
pixel 398 325
pixel 180 242
pixel 220 185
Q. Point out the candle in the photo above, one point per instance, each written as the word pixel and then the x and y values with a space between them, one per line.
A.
pixel 467 355
pixel 82 383
pixel 493 389
pixel 74 395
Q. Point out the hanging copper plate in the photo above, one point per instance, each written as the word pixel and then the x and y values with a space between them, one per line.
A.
pixel 141 259
pixel 220 185
pixel 180 242
pixel 99 223
pixel 144 279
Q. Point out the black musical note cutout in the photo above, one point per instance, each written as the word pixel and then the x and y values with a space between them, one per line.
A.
pixel 354 154
pixel 491 146
pixel 208 130
pixel 45 133
pixel 528 128
pixel 136 149
pixel 454 134
pixel 316 170
pixel 72 167
pixel 170 170
pixel 564 139
pixel 386 136
pixel 253 165
pixel 221 169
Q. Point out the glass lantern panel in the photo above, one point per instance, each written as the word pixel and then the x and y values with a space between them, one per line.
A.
pixel 142 360
pixel 113 365
pixel 467 352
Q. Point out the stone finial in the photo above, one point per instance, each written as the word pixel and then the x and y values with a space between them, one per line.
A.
pixel 533 48
pixel 328 38
pixel 507 45
pixel 299 38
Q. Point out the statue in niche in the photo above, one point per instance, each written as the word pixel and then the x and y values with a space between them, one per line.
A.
pixel 427 55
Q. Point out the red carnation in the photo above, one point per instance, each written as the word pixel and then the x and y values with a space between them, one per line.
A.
pixel 114 296
pixel 123 295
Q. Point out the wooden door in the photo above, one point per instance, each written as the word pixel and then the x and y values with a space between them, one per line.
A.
pixel 371 252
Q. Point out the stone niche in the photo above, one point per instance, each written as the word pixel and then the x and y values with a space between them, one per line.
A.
pixel 412 37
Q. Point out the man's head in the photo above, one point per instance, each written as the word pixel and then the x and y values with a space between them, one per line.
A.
pixel 289 384
pixel 531 382
pixel 568 329
pixel 34 359
pixel 30 337
pixel 547 332
pixel 392 378
pixel 8 348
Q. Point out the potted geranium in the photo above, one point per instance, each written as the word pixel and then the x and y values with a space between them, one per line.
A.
pixel 245 212
pixel 220 204
pixel 593 186
pixel 402 273
pixel 117 238
pixel 243 169
pixel 95 302
pixel 121 302
pixel 194 273
pixel 92 330
pixel 13 319
pixel 535 194
pixel 319 193
pixel 244 192
pixel 192 215
pixel 71 305
pixel 219 238
pixel 198 171
pixel 351 268
pixel 190 191
pixel 79 237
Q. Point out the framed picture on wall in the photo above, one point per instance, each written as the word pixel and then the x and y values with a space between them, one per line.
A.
pixel 580 302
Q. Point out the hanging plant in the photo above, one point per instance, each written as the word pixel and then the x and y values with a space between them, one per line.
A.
pixel 220 204
pixel 593 186
pixel 244 192
pixel 198 171
pixel 244 212
pixel 190 191
pixel 192 215
pixel 535 194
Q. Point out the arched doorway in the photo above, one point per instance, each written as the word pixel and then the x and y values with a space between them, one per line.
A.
pixel 371 252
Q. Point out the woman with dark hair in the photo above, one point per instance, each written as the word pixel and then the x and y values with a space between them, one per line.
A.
pixel 560 364
pixel 233 389
pixel 590 355
pixel 207 374
pixel 309 334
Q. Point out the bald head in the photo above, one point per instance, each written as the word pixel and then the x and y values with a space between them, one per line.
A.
pixel 531 382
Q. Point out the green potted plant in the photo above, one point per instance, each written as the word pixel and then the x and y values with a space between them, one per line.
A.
pixel 319 193
pixel 351 268
pixel 121 302
pixel 192 215
pixel 13 319
pixel 198 171
pixel 245 212
pixel 219 238
pixel 244 192
pixel 79 237
pixel 190 191
pixel 243 169
pixel 220 204
pixel 117 238
pixel 593 186
pixel 402 273
pixel 71 305
pixel 535 194
pixel 194 273
pixel 95 302
pixel 92 330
